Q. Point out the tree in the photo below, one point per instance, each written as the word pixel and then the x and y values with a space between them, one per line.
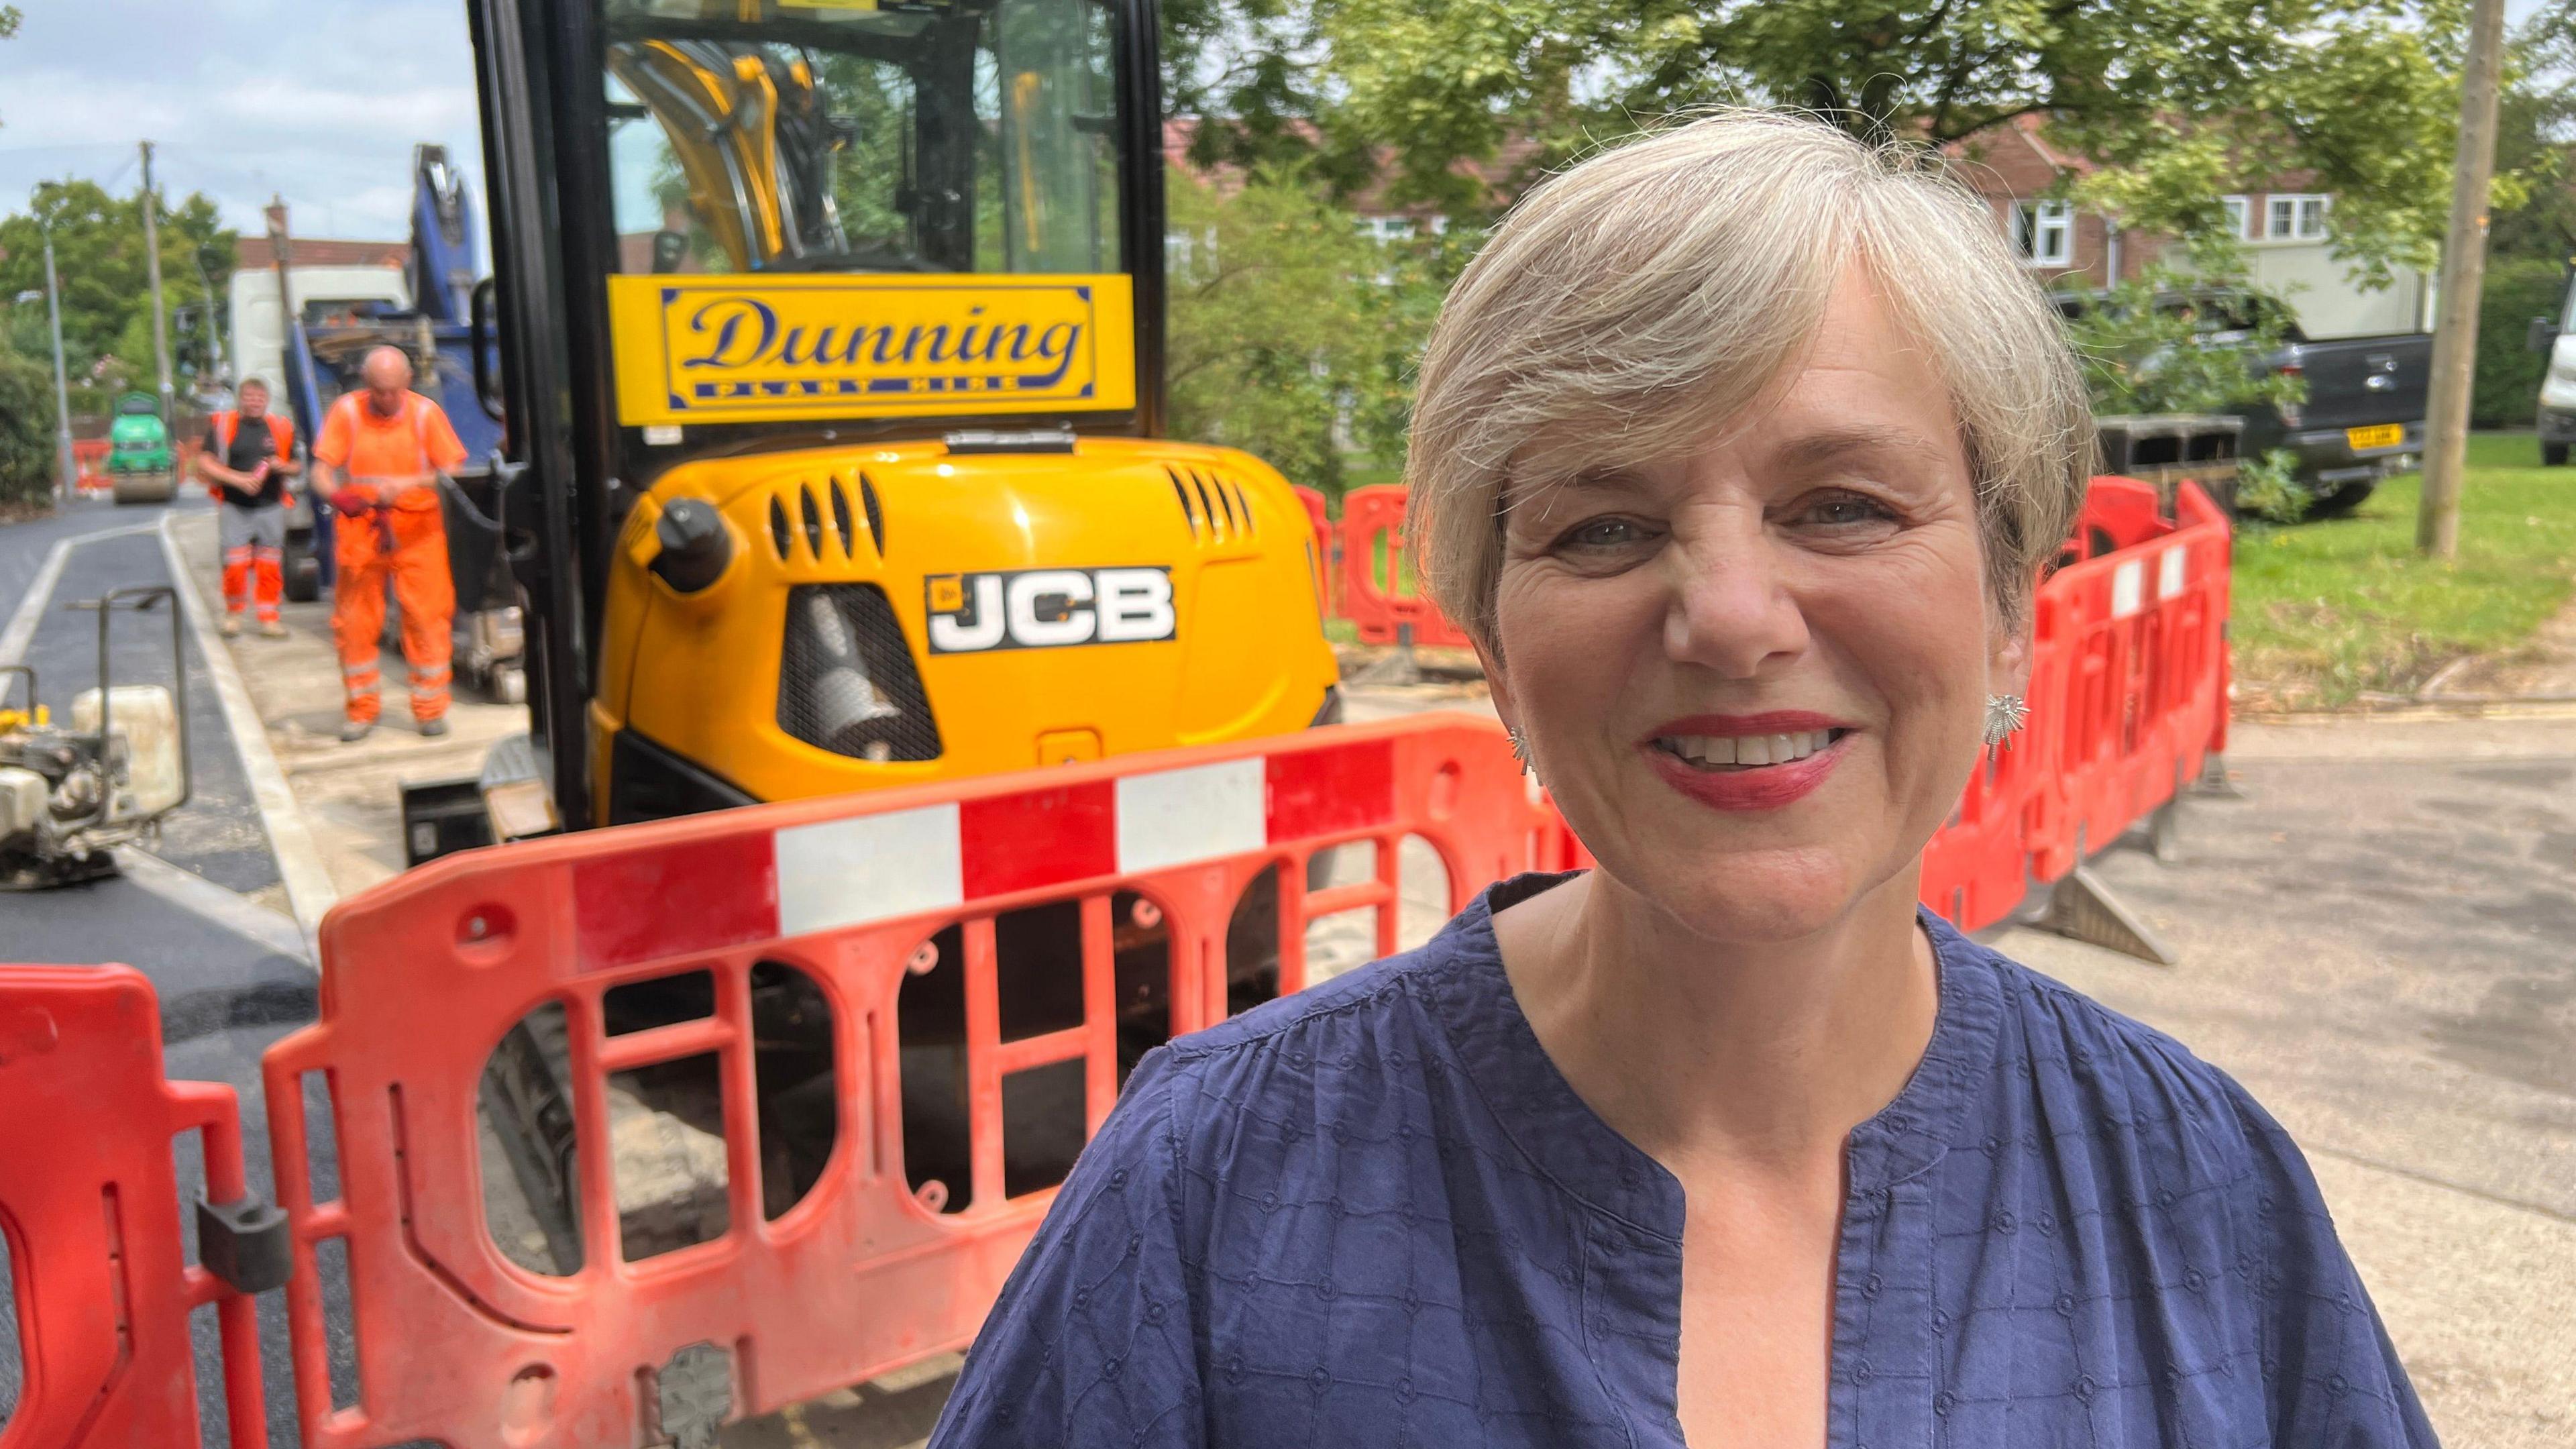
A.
pixel 98 247
pixel 1286 325
pixel 26 429
pixel 2535 192
pixel 2172 98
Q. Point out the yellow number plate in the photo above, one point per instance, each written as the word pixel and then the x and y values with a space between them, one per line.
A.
pixel 2386 435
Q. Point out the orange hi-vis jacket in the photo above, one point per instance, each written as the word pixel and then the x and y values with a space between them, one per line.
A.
pixel 365 447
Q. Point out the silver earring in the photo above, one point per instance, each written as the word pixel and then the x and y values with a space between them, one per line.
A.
pixel 2004 714
pixel 1520 747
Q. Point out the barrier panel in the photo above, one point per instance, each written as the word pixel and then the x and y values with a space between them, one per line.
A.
pixel 1372 540
pixel 1327 555
pixel 2128 695
pixel 89 466
pixel 866 898
pixel 89 1211
pixel 2140 634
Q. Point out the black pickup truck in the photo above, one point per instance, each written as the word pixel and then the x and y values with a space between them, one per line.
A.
pixel 2363 417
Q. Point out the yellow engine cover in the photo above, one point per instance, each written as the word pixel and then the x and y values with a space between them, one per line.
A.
pixel 1127 595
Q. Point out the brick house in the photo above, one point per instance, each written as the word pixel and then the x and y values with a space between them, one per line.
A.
pixel 2286 231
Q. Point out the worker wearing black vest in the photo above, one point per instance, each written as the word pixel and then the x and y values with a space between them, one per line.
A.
pixel 248 456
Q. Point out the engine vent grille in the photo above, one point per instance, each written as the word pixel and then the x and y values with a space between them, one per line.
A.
pixel 846 681
pixel 1217 507
pixel 816 511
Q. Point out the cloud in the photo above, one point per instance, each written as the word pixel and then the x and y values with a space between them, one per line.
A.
pixel 316 101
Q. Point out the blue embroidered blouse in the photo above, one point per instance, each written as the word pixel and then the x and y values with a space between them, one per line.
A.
pixel 1375 1214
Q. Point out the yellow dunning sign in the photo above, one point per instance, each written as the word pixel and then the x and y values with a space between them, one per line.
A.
pixel 737 349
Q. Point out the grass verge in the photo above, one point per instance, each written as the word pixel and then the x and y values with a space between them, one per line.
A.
pixel 2327 611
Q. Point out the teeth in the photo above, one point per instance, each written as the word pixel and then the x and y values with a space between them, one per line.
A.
pixel 1748 750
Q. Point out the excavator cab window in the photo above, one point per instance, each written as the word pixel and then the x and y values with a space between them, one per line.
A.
pixel 850 136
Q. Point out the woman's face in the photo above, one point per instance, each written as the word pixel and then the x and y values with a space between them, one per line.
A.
pixel 1754 676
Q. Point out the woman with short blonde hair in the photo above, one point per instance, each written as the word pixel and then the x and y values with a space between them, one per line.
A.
pixel 1738 453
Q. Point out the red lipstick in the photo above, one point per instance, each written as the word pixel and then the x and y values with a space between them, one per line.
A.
pixel 1766 787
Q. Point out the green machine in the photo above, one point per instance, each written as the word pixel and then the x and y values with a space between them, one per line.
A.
pixel 139 459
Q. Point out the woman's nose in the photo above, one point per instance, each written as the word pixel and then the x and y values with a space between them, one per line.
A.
pixel 1731 608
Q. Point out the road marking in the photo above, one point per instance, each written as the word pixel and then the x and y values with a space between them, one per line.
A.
pixel 40 590
pixel 299 861
pixel 208 901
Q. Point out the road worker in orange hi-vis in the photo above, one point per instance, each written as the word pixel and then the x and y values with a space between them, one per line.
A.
pixel 378 461
pixel 248 456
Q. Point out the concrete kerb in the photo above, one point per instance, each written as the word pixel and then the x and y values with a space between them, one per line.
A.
pixel 309 890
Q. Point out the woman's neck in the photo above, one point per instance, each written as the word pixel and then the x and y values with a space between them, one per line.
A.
pixel 1702 1051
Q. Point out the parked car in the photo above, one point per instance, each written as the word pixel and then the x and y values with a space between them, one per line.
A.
pixel 2557 411
pixel 2363 416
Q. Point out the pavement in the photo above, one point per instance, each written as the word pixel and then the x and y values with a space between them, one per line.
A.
pixel 2373 937
pixel 2376 941
pixel 349 795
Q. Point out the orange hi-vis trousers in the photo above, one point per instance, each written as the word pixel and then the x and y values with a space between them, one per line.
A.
pixel 253 540
pixel 405 544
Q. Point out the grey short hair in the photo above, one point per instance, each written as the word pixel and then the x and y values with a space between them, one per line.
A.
pixel 1629 304
pixel 258 382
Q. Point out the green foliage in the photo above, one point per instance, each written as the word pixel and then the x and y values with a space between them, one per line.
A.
pixel 2357 94
pixel 2268 488
pixel 2535 206
pixel 107 297
pixel 2508 378
pixel 2170 342
pixel 26 430
pixel 1285 322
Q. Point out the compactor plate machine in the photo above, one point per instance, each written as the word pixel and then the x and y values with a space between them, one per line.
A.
pixel 826 338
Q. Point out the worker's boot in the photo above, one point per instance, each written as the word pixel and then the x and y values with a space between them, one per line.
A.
pixel 232 626
pixel 356 730
pixel 431 729
pixel 272 630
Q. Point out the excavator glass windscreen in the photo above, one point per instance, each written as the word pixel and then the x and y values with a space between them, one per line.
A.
pixel 846 136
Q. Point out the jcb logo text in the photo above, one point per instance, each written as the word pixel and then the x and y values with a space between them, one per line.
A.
pixel 1049 608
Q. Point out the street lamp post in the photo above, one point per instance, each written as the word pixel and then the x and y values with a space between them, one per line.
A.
pixel 62 387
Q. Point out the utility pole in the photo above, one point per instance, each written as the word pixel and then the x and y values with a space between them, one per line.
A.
pixel 281 250
pixel 214 329
pixel 152 269
pixel 2464 266
pixel 62 387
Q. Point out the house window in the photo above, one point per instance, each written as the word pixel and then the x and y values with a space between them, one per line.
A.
pixel 2044 232
pixel 2296 218
pixel 1386 228
pixel 2239 212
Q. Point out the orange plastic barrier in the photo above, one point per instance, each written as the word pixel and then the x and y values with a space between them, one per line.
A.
pixel 2141 637
pixel 1325 555
pixel 89 1207
pixel 862 1274
pixel 1372 543
pixel 89 466
pixel 2128 694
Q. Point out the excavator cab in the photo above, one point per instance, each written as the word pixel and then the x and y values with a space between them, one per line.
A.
pixel 830 345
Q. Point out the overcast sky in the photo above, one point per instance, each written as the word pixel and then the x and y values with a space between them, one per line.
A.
pixel 320 101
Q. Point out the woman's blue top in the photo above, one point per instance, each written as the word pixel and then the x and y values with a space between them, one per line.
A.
pixel 1375 1214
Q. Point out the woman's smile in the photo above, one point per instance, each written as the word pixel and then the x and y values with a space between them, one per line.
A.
pixel 1747 762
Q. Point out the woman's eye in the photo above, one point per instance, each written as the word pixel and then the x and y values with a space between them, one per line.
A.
pixel 1603 533
pixel 1844 510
